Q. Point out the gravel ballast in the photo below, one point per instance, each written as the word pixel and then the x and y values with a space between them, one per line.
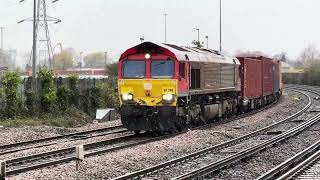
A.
pixel 266 160
pixel 127 160
pixel 13 135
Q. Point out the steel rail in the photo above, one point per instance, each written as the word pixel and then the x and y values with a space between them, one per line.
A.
pixel 68 154
pixel 93 149
pixel 6 146
pixel 18 165
pixel 201 172
pixel 311 153
pixel 173 162
pixel 301 167
pixel 53 143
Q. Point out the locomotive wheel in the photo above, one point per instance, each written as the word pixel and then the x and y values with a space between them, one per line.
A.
pixel 137 132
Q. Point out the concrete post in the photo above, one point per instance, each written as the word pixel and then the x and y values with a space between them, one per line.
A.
pixel 79 156
pixel 2 170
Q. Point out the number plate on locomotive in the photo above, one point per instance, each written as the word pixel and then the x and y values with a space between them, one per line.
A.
pixel 168 90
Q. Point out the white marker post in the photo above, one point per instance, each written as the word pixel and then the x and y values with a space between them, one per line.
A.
pixel 2 170
pixel 79 156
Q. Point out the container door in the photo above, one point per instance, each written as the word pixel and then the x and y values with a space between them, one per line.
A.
pixel 276 78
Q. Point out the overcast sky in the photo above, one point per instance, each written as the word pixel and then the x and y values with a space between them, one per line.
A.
pixel 271 26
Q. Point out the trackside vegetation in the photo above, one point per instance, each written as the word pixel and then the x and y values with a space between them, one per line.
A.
pixel 61 102
pixel 310 76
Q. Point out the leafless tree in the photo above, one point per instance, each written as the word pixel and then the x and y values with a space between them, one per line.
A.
pixel 309 55
pixel 282 57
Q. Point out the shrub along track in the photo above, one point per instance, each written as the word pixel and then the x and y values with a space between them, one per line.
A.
pixel 218 156
pixel 23 164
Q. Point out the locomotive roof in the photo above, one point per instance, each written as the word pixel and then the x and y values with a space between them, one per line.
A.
pixel 192 54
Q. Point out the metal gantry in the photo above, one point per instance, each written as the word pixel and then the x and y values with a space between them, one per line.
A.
pixel 41 35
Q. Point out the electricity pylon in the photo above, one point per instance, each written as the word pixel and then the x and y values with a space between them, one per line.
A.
pixel 42 52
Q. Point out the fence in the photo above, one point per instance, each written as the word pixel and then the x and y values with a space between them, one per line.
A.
pixel 88 94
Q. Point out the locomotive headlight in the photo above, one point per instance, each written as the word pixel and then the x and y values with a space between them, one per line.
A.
pixel 147 56
pixel 167 98
pixel 127 97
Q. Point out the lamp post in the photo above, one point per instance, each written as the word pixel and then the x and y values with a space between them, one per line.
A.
pixel 165 27
pixel 198 35
pixel 80 63
pixel 220 26
pixel 141 39
pixel 106 61
pixel 207 38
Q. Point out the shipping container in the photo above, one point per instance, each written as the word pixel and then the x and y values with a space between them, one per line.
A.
pixel 276 76
pixel 251 77
pixel 267 73
pixel 280 77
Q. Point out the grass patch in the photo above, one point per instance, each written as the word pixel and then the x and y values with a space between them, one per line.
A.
pixel 71 118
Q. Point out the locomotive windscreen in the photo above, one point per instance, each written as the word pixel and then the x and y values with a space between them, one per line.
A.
pixel 133 69
pixel 162 69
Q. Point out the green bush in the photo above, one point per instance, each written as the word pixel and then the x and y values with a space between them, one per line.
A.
pixel 1 92
pixel 13 102
pixel 311 76
pixel 64 96
pixel 30 103
pixel 94 99
pixel 48 96
pixel 109 96
pixel 74 79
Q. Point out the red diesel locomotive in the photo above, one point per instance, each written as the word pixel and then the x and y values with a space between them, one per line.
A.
pixel 165 87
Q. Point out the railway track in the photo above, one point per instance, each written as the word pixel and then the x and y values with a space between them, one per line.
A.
pixel 222 155
pixel 308 169
pixel 304 165
pixel 38 143
pixel 24 164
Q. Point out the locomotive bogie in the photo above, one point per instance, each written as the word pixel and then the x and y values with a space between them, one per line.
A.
pixel 159 118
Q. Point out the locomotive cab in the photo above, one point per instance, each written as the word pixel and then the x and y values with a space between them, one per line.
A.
pixel 148 87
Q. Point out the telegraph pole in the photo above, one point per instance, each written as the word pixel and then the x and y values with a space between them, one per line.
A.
pixel 34 45
pixel 165 27
pixel 220 26
pixel 2 28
